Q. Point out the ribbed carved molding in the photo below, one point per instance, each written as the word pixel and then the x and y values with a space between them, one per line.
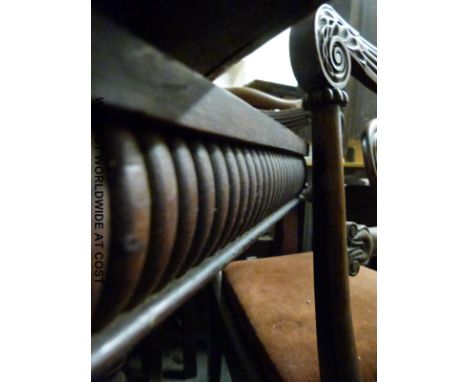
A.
pixel 173 201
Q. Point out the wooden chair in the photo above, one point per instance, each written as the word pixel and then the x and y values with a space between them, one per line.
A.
pixel 186 176
pixel 298 312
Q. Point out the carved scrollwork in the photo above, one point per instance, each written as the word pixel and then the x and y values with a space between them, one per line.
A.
pixel 360 246
pixel 333 55
pixel 327 50
pixel 336 42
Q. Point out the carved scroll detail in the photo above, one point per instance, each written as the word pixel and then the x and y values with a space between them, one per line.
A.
pixel 336 43
pixel 360 246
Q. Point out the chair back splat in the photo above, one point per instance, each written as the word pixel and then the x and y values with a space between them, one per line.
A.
pixel 325 50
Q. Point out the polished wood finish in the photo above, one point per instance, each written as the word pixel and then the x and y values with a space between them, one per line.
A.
pixel 116 340
pixel 188 207
pixel 164 211
pixel 222 187
pixel 262 100
pixel 206 202
pixel 130 203
pixel 337 349
pixel 129 74
pixel 134 79
pixel 174 201
pixel 323 48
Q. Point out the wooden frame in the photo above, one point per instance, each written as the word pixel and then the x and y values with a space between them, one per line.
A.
pixel 325 51
pixel 175 100
pixel 322 63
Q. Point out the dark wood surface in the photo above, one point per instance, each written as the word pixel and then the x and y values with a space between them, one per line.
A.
pixel 164 210
pixel 209 35
pixel 325 50
pixel 130 202
pixel 129 74
pixel 337 349
pixel 188 207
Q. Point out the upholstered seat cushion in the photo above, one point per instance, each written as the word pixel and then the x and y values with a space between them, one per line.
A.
pixel 273 299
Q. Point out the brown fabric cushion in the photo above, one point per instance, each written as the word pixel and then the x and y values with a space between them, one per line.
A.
pixel 274 299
